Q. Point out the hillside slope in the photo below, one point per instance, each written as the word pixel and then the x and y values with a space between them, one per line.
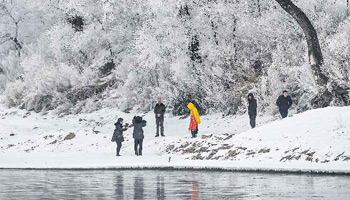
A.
pixel 317 140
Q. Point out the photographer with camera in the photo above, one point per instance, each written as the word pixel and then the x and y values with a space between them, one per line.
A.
pixel 118 134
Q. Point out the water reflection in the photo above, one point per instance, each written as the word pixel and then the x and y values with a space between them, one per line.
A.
pixel 160 188
pixel 195 185
pixel 138 188
pixel 119 185
pixel 195 189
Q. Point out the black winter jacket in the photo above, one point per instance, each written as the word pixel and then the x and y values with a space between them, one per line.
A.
pixel 118 133
pixel 159 109
pixel 138 129
pixel 284 103
pixel 252 105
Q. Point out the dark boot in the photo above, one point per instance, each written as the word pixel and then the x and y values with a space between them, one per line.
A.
pixel 136 153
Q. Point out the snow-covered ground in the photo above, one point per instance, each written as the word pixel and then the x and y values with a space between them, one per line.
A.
pixel 317 140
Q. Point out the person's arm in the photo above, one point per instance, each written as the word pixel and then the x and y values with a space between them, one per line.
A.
pixel 255 107
pixel 120 129
pixel 155 109
pixel 163 110
pixel 144 123
pixel 290 102
pixel 278 101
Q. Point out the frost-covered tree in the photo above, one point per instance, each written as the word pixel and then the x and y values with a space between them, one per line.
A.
pixel 89 54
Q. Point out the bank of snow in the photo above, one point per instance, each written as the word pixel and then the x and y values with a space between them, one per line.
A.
pixel 317 141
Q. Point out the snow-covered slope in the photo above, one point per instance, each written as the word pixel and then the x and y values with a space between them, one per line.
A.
pixel 317 140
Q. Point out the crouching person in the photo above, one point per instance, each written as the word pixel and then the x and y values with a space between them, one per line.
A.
pixel 118 134
pixel 138 135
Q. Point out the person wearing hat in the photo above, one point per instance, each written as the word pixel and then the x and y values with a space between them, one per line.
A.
pixel 284 102
pixel 118 134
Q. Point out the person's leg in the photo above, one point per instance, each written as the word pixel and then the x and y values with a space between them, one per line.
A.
pixel 140 147
pixel 157 122
pixel 135 147
pixel 161 123
pixel 119 146
pixel 252 120
pixel 117 152
pixel 284 114
pixel 192 133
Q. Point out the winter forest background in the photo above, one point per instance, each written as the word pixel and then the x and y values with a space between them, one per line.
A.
pixel 75 56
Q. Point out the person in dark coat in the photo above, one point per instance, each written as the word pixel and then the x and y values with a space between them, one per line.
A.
pixel 118 134
pixel 252 109
pixel 138 135
pixel 159 111
pixel 284 102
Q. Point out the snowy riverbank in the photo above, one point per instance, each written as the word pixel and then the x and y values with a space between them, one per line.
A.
pixel 314 141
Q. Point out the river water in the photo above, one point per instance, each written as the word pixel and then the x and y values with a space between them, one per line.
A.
pixel 154 184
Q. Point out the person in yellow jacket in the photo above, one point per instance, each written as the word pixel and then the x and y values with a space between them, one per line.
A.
pixel 195 120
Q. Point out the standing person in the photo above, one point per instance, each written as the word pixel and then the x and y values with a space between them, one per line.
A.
pixel 284 102
pixel 195 118
pixel 193 127
pixel 138 135
pixel 159 111
pixel 118 134
pixel 252 109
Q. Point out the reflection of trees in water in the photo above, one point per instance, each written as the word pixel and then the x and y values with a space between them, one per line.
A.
pixel 160 188
pixel 119 187
pixel 138 188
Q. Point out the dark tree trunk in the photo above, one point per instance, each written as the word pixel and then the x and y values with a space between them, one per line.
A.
pixel 234 36
pixel 314 49
pixel 324 96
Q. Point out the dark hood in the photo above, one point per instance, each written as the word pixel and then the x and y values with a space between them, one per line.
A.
pixel 137 120
pixel 250 95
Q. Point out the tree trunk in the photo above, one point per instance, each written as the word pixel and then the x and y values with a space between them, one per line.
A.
pixel 314 49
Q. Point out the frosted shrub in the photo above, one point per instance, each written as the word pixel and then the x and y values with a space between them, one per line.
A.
pixel 128 53
pixel 15 92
